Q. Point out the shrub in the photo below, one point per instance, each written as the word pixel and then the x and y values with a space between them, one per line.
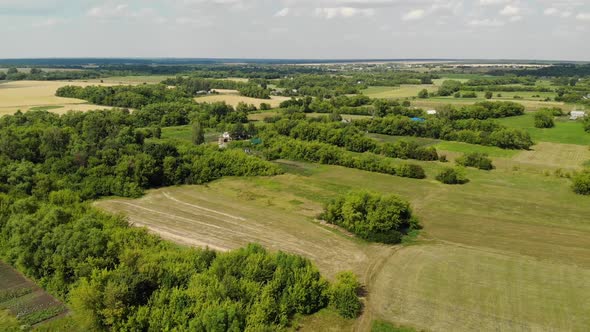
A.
pixel 410 171
pixel 581 183
pixel 343 295
pixel 451 176
pixel 423 94
pixel 489 95
pixel 477 160
pixel 469 95
pixel 544 119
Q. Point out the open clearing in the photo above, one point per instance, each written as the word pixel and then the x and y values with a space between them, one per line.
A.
pixel 233 98
pixel 25 300
pixel 565 131
pixel 26 95
pixel 500 262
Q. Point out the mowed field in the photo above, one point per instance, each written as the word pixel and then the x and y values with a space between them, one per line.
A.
pixel 27 95
pixel 25 300
pixel 509 251
pixel 232 97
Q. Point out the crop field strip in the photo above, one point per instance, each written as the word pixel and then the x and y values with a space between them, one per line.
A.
pixel 25 300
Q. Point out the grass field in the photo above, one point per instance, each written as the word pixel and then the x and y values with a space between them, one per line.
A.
pixel 565 131
pixel 130 80
pixel 24 300
pixel 530 105
pixel 507 251
pixel 27 95
pixel 233 98
pixel 184 133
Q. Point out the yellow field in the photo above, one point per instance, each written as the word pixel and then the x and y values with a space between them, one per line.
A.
pixel 232 97
pixel 24 95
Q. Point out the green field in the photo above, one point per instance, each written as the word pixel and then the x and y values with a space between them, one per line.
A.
pixel 565 131
pixel 516 259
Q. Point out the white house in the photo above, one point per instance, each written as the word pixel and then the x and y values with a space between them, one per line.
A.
pixel 431 112
pixel 574 115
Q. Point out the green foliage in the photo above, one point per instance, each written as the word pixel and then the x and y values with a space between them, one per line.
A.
pixel 483 132
pixel 581 183
pixel 423 94
pixel 451 176
pixel 343 295
pixel 373 217
pixel 544 119
pixel 197 134
pixel 587 124
pixel 475 159
pixel 489 94
pixel 449 87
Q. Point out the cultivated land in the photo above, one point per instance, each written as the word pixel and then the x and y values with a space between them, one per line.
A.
pixel 23 299
pixel 232 97
pixel 513 260
pixel 27 95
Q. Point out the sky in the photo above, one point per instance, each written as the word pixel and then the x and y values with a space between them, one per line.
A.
pixel 297 29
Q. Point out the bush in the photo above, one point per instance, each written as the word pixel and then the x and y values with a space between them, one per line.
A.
pixel 371 216
pixel 544 119
pixel 477 160
pixel 410 171
pixel 581 183
pixel 451 176
pixel 343 295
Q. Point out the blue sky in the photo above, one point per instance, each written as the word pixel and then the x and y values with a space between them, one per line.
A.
pixel 516 29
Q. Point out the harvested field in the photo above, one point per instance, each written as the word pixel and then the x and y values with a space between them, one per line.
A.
pixel 26 95
pixel 225 218
pixel 232 97
pixel 433 287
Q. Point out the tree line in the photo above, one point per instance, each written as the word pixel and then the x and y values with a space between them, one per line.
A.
pixel 483 132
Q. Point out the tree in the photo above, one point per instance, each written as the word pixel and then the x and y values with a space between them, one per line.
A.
pixel 475 159
pixel 489 95
pixel 12 70
pixel 581 183
pixel 423 94
pixel 265 106
pixel 371 216
pixel 198 134
pixel 343 295
pixel 544 119
pixel 451 176
pixel 449 87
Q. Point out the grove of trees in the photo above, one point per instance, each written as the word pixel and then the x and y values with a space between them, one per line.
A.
pixel 372 216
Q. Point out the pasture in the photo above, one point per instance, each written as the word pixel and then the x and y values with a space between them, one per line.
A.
pixel 28 95
pixel 232 97
pixel 25 300
pixel 498 263
pixel 565 131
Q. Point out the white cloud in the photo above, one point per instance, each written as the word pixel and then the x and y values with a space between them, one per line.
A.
pixel 343 12
pixel 486 23
pixel 551 11
pixel 583 16
pixel 492 2
pixel 510 10
pixel 283 12
pixel 49 22
pixel 413 15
